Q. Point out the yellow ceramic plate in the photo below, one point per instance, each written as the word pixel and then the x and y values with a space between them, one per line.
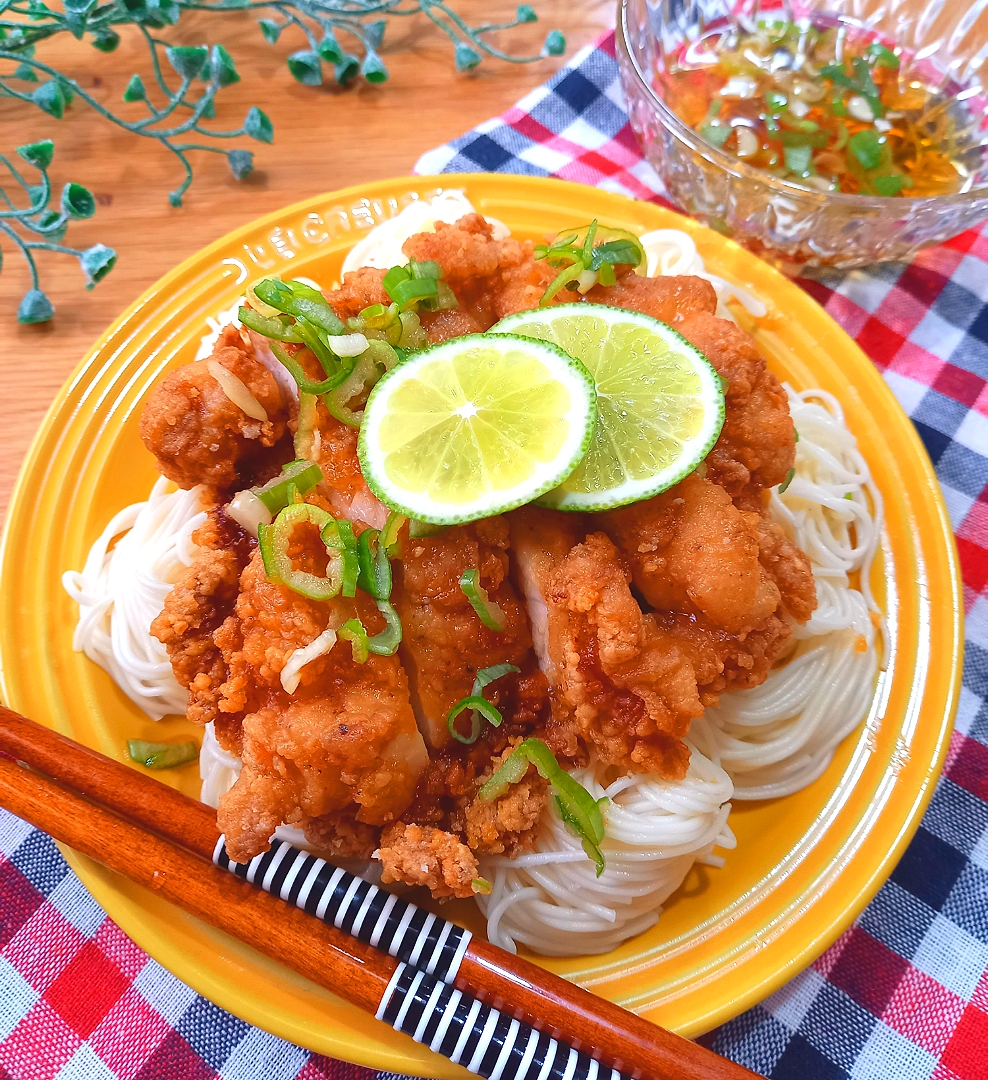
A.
pixel 804 866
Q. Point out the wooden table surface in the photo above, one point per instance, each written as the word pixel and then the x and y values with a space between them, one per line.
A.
pixel 325 138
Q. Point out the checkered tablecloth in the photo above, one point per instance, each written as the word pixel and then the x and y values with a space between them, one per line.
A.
pixel 903 995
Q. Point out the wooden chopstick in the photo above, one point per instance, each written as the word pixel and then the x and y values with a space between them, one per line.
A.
pixel 547 1002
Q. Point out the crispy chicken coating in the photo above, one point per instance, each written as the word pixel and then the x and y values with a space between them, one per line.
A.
pixel 197 606
pixel 671 300
pixel 444 642
pixel 692 550
pixel 757 446
pixel 789 568
pixel 360 289
pixel 345 736
pixel 617 681
pixel 422 855
pixel 464 250
pixel 506 824
pixel 196 433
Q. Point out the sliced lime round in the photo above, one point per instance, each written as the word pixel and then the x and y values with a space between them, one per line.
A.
pixel 660 403
pixel 476 426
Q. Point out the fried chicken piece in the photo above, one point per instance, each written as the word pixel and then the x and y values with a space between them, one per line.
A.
pixel 789 567
pixel 345 736
pixel 506 824
pixel 444 642
pixel 422 855
pixel 464 250
pixel 361 288
pixel 454 323
pixel 343 482
pixel 197 606
pixel 618 681
pixel 757 445
pixel 692 550
pixel 671 300
pixel 196 433
pixel 341 836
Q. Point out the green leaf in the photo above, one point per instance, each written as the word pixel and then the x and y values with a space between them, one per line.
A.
pixel 35 307
pixel 209 110
pixel 187 60
pixel 373 69
pixel 329 48
pixel 106 40
pixel 241 163
pixel 38 154
pixel 222 70
pixel 306 67
pixel 270 29
pixel 54 222
pixel 78 202
pixel 50 99
pixel 96 262
pixel 258 126
pixel 866 147
pixel 888 185
pixel 375 32
pixel 555 44
pixel 346 70
pixel 134 90
pixel 67 92
pixel 525 13
pixel 465 56
pixel 798 158
pixel 26 72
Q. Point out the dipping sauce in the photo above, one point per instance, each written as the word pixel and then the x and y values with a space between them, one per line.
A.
pixel 827 107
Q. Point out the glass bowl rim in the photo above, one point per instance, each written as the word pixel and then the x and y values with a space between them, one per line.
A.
pixel 743 171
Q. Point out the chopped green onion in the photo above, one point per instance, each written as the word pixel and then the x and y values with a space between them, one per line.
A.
pixel 837 75
pixel 788 480
pixel 795 432
pixel 888 185
pixel 484 677
pixel 775 101
pixel 848 495
pixel 407 292
pixel 305 384
pixel 883 56
pixel 300 475
pixel 275 329
pixel 154 755
pixel 560 281
pixel 427 268
pixel 375 567
pixel 715 134
pixel 274 540
pixel 577 807
pixel 481 707
pixel 805 138
pixel 387 641
pixel 866 146
pixel 615 251
pixel 606 275
pixel 392 527
pixel 295 298
pixel 487 611
pixel 482 886
pixel 798 159
pixel 393 276
pixel 338 536
pixel 353 631
pixel 379 317
pixel 837 106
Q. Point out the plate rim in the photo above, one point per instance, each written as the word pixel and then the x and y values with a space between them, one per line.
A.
pixel 939 530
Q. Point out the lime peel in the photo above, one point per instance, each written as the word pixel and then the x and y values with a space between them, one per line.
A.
pixel 476 426
pixel 660 402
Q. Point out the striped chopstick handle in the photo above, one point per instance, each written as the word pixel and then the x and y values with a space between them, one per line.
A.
pixel 480 1038
pixel 406 932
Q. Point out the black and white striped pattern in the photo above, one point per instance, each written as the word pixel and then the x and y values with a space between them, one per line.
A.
pixel 478 1037
pixel 353 905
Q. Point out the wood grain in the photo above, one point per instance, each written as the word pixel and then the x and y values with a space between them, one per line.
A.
pixel 325 138
pixel 509 983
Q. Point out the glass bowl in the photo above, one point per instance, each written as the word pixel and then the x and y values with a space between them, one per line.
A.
pixel 787 224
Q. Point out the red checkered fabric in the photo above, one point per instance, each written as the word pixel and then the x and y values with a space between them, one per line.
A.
pixel 903 994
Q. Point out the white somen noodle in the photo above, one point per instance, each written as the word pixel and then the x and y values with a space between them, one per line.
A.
pixel 759 743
